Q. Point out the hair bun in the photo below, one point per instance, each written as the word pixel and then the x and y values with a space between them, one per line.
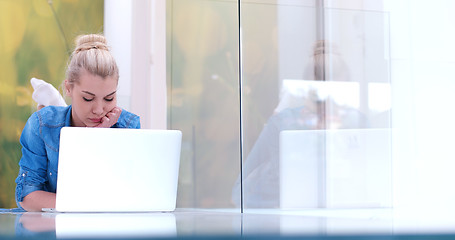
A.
pixel 91 41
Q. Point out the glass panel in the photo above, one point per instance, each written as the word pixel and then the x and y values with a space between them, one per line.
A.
pixel 32 45
pixel 203 98
pixel 316 107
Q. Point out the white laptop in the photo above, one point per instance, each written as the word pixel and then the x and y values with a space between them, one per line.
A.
pixel 335 168
pixel 117 170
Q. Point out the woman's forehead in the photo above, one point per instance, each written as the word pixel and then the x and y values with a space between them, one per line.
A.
pixel 97 84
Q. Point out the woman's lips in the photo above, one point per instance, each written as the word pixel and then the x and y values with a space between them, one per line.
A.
pixel 95 120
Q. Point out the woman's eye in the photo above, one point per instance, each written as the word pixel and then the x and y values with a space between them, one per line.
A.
pixel 87 99
pixel 109 99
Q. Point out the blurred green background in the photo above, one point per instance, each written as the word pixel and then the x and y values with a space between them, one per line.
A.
pixel 32 45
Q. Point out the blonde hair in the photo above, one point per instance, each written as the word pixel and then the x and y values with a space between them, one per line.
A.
pixel 91 54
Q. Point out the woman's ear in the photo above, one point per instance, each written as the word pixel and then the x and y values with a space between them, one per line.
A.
pixel 68 88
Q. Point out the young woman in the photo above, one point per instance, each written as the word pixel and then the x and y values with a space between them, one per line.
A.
pixel 91 83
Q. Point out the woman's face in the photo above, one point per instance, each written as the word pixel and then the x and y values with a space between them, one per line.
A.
pixel 92 98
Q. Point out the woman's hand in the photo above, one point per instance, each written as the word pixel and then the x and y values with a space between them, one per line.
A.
pixel 37 200
pixel 111 118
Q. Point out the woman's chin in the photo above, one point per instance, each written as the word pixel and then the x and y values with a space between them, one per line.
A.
pixel 92 124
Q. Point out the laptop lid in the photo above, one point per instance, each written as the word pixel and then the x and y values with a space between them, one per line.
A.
pixel 117 170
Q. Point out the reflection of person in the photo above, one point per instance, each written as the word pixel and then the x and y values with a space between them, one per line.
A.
pixel 35 225
pixel 261 168
pixel 326 64
pixel 91 83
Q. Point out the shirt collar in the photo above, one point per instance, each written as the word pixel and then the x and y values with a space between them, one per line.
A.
pixel 68 117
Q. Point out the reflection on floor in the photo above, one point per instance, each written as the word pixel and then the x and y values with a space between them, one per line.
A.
pixel 319 223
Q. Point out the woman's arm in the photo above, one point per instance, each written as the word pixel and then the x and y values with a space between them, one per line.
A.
pixel 36 201
pixel 33 166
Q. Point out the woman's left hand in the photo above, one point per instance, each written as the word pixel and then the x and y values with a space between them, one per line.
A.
pixel 111 118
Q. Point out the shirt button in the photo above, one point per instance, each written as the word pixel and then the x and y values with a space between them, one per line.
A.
pixel 23 174
pixel 50 174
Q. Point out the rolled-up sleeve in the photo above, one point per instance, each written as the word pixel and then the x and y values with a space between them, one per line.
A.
pixel 33 164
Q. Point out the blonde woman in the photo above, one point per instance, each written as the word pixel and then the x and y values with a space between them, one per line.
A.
pixel 91 83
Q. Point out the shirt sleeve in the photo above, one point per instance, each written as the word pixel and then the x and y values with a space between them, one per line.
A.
pixel 128 120
pixel 134 122
pixel 33 163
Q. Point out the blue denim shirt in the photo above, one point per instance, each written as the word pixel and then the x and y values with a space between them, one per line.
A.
pixel 40 142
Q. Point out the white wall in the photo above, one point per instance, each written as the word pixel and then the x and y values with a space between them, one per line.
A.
pixel 117 29
pixel 422 42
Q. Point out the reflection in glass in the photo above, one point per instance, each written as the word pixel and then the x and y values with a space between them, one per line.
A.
pixel 331 110
pixel 203 99
pixel 335 168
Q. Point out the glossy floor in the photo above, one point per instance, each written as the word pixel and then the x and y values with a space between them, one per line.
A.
pixel 226 222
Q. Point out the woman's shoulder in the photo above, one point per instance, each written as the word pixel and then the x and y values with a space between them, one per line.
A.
pixel 52 115
pixel 128 120
pixel 45 120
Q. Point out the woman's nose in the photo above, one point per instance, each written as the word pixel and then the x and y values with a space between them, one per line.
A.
pixel 97 108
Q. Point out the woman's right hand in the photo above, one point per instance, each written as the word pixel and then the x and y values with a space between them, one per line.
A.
pixel 111 118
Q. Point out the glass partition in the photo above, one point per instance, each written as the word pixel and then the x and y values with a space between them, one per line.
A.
pixel 203 96
pixel 316 104
pixel 308 118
